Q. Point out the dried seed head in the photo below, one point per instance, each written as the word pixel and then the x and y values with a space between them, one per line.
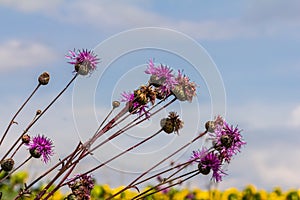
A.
pixel 44 78
pixel 7 164
pixel 179 93
pixel 115 104
pixel 167 125
pixel 210 126
pixel 26 139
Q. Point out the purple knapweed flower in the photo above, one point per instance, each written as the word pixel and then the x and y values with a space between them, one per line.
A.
pixel 127 97
pixel 228 141
pixel 161 77
pixel 184 89
pixel 207 161
pixel 85 61
pixel 41 146
pixel 133 104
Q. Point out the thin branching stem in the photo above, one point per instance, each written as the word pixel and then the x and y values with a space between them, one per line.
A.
pixel 130 185
pixel 12 121
pixel 141 195
pixel 39 116
pixel 11 172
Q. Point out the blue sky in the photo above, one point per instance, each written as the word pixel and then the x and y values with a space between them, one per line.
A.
pixel 254 44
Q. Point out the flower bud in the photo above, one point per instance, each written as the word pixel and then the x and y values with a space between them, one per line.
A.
pixel 26 139
pixel 38 112
pixel 44 78
pixel 7 164
pixel 35 153
pixel 115 104
pixel 210 126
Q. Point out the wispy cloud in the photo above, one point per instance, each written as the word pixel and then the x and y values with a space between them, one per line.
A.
pixel 18 54
pixel 259 19
pixel 32 5
pixel 295 117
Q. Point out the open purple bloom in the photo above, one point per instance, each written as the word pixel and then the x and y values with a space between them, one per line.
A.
pixel 127 97
pixel 212 161
pixel 161 77
pixel 41 146
pixel 85 61
pixel 198 155
pixel 133 104
pixel 207 161
pixel 228 141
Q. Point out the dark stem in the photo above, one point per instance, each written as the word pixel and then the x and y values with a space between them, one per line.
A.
pixel 194 173
pixel 61 162
pixel 61 171
pixel 40 115
pixel 12 120
pixel 129 126
pixel 11 172
pixel 162 161
pixel 120 154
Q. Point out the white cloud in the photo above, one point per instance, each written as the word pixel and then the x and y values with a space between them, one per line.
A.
pixel 260 115
pixel 259 19
pixel 118 15
pixel 32 5
pixel 272 166
pixel 295 117
pixel 19 54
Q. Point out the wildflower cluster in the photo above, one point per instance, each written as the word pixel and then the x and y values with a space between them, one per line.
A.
pixel 227 142
pixel 162 85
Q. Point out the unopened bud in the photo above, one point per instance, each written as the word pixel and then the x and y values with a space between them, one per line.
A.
pixel 44 78
pixel 25 139
pixel 38 112
pixel 7 164
pixel 210 126
pixel 115 104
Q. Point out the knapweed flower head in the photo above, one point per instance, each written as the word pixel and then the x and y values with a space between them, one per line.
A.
pixel 138 100
pixel 208 161
pixel 81 186
pixel 184 90
pixel 41 146
pixel 85 61
pixel 228 141
pixel 171 124
pixel 161 77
